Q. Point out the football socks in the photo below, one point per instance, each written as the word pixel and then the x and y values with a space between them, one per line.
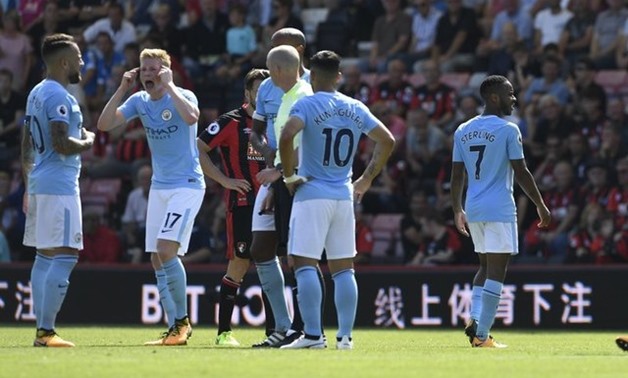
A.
pixel 490 299
pixel 346 300
pixel 55 288
pixel 272 281
pixel 177 282
pixel 38 278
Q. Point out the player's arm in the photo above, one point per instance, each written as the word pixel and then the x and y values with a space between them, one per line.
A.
pixel 457 186
pixel 526 182
pixel 28 156
pixel 257 140
pixel 210 170
pixel 187 109
pixel 65 144
pixel 111 117
pixel 384 144
pixel 286 145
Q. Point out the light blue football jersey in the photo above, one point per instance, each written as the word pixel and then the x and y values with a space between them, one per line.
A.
pixel 267 105
pixel 486 145
pixel 172 142
pixel 53 173
pixel 333 126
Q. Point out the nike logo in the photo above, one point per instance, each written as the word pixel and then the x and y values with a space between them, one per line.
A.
pixel 164 231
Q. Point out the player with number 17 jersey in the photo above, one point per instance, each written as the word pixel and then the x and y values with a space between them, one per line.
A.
pixel 333 126
pixel 486 144
pixel 171 140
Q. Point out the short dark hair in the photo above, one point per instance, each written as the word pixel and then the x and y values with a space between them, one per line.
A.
pixel 54 43
pixel 325 61
pixel 255 74
pixel 492 84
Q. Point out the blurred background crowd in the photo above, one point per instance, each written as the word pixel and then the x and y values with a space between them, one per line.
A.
pixel 417 64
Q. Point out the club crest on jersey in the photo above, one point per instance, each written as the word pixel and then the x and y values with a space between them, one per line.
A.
pixel 241 247
pixel 166 115
pixel 213 128
pixel 78 237
pixel 62 110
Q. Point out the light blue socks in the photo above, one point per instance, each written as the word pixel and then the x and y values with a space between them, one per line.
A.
pixel 273 284
pixel 38 280
pixel 164 296
pixel 310 296
pixel 55 288
pixel 176 280
pixel 490 300
pixel 346 300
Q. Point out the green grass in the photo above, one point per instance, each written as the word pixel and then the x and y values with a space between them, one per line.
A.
pixel 118 352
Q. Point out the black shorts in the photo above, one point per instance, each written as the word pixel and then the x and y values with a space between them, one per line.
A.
pixel 283 207
pixel 239 222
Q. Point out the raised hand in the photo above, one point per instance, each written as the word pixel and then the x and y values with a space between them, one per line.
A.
pixel 165 75
pixel 128 79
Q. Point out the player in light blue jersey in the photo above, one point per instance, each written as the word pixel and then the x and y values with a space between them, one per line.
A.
pixel 169 115
pixel 52 140
pixel 489 150
pixel 322 214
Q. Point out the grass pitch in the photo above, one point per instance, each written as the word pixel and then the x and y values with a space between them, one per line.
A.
pixel 118 352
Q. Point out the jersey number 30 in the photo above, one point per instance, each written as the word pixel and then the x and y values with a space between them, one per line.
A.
pixel 479 148
pixel 336 140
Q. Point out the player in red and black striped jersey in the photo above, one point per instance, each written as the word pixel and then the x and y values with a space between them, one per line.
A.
pixel 241 162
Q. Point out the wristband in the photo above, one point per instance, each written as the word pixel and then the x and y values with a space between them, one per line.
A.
pixel 294 178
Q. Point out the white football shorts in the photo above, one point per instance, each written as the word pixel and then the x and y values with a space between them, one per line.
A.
pixel 54 221
pixel 262 222
pixel 170 216
pixel 495 237
pixel 319 224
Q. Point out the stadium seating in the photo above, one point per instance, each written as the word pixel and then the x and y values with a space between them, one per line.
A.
pixel 387 238
pixel 311 17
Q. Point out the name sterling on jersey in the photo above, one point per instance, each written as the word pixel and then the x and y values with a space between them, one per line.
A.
pixel 477 135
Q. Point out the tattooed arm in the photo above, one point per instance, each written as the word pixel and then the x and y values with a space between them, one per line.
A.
pixel 28 158
pixel 384 144
pixel 67 145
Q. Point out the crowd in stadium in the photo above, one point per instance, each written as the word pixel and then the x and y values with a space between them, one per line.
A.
pixel 417 64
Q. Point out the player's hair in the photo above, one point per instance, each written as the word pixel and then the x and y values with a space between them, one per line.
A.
pixel 491 85
pixel 54 43
pixel 326 62
pixel 156 54
pixel 253 75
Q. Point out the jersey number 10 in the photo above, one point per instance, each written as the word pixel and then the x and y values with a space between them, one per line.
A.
pixel 336 140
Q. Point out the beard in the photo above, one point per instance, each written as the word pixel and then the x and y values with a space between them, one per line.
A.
pixel 74 78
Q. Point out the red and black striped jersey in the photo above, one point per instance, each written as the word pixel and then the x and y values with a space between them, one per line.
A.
pixel 230 134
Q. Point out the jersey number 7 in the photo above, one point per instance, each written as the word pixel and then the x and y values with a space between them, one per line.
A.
pixel 480 150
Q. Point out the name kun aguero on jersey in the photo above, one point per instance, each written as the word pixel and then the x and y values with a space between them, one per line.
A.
pixel 482 134
pixel 339 112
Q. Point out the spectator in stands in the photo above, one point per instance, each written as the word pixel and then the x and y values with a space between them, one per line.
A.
pixel 549 24
pixel 515 14
pixel 618 198
pixel 395 123
pixel 580 240
pixel 591 117
pixel 364 238
pixel 597 186
pixel 395 90
pixel 203 241
pixel 608 25
pixel 551 154
pixel 424 21
pixel 283 18
pixel 611 244
pixel 241 45
pixel 621 57
pixel 134 217
pixel 391 35
pixel 424 143
pixel 547 116
pixel 49 23
pixel 575 40
pixel 550 244
pixel 83 13
pixel 12 105
pixel 468 107
pixel 16 51
pixel 202 55
pixel 434 96
pixel 142 14
pixel 612 149
pixel 101 244
pixel 500 53
pixel 578 155
pixel 582 80
pixel 550 82
pixel 164 28
pixel 107 58
pixel 411 224
pixel 353 86
pixel 441 243
pixel 457 37
pixel 30 12
pixel 525 69
pixel 120 30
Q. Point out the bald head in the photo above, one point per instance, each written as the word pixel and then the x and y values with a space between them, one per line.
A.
pixel 284 57
pixel 288 36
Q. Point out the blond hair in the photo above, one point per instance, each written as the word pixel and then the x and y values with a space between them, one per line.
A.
pixel 160 54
